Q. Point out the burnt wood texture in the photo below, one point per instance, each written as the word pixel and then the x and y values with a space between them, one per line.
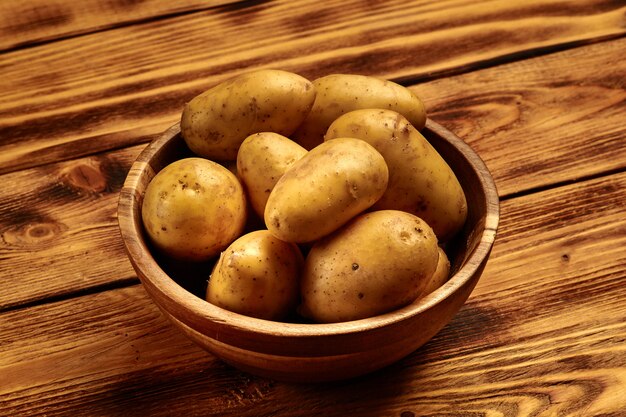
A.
pixel 536 88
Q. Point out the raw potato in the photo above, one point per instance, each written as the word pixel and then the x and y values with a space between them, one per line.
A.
pixel 257 275
pixel 378 262
pixel 262 159
pixel 340 93
pixel 193 209
pixel 441 274
pixel 420 180
pixel 215 123
pixel 325 189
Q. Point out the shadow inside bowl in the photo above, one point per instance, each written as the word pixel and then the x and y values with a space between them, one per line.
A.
pixel 303 351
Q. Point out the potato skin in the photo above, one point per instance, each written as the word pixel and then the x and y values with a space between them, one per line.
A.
pixel 378 262
pixel 325 189
pixel 420 180
pixel 441 274
pixel 340 93
pixel 257 275
pixel 193 209
pixel 215 122
pixel 262 159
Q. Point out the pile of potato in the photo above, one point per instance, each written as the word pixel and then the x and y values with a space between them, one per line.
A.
pixel 357 189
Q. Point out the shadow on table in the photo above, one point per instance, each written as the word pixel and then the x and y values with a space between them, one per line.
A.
pixel 205 386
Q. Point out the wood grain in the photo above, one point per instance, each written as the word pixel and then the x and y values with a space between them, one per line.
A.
pixel 510 137
pixel 62 219
pixel 541 121
pixel 116 96
pixel 35 21
pixel 528 342
pixel 297 351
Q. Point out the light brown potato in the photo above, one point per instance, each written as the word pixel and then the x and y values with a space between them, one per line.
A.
pixel 378 262
pixel 441 275
pixel 340 93
pixel 193 209
pixel 215 122
pixel 420 180
pixel 325 189
pixel 262 159
pixel 257 275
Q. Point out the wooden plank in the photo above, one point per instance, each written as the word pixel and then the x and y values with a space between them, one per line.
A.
pixel 35 21
pixel 586 138
pixel 115 96
pixel 542 121
pixel 59 229
pixel 556 276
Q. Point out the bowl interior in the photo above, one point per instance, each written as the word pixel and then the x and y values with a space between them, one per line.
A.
pixel 177 288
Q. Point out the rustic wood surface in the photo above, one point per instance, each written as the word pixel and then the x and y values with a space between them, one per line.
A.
pixel 537 88
pixel 544 332
pixel 499 110
pixel 120 86
pixel 39 21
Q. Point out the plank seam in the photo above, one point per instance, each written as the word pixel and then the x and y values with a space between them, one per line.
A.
pixel 131 281
pixel 558 184
pixel 519 56
pixel 240 4
pixel 96 289
pixel 505 59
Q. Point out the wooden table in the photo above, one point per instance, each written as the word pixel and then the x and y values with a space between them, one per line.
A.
pixel 537 88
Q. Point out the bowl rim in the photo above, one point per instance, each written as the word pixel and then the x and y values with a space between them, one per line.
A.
pixel 199 313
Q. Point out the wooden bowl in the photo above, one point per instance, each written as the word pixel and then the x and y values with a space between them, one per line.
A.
pixel 314 352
